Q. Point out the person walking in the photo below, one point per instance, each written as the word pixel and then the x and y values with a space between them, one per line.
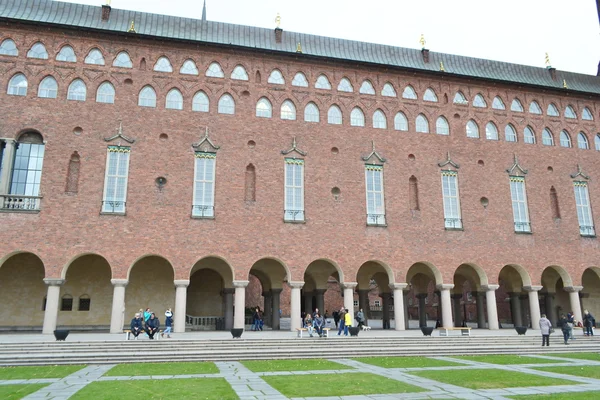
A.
pixel 168 323
pixel 545 326
pixel 360 318
pixel 571 324
pixel 341 315
pixel 588 323
pixel 564 327
pixel 336 318
pixel 152 325
pixel 347 321
pixel 256 320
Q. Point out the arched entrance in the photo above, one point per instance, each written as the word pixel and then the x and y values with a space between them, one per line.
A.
pixel 555 300
pixel 322 280
pixel 468 296
pixel 423 301
pixel 590 296
pixel 373 288
pixel 513 309
pixel 266 285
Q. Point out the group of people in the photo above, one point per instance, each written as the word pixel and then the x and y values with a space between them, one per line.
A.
pixel 567 323
pixel 257 319
pixel 314 322
pixel 147 321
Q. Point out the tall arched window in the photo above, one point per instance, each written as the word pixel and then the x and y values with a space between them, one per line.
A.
pixel 547 137
pixel 479 101
pixel 163 65
pixel 48 88
pixel 239 73
pixel 366 88
pixel 388 90
pixel 528 135
pixel 276 78
pixel 534 108
pixel 72 185
pixel 552 110
pixel 516 106
pixel 379 120
pixel 311 112
pixel 105 93
pixel 300 80
pixel 413 193
pixel 226 104
pixel 554 206
pixel 334 115
pixel 400 122
pixel 200 102
pixel 66 54
pixel 345 86
pixel 250 184
pixel 472 129
pixel 422 124
pixel 582 141
pixel 409 93
pixel 322 83
pixel 147 97
pixel 586 114
pixel 491 132
pixel 459 98
pixel 565 139
pixel 27 168
pixel 174 100
pixel 17 86
pixel 441 126
pixel 510 134
pixel 570 113
pixel 214 70
pixel 288 110
pixel 9 48
pixel 597 142
pixel 122 60
pixel 77 90
pixel 498 104
pixel 38 50
pixel 430 95
pixel 94 57
pixel 264 109
pixel 189 68
pixel 357 117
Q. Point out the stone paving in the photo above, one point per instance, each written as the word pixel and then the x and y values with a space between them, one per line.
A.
pixel 249 385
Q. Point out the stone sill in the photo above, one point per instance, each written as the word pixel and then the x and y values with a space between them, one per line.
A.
pixel 454 229
pixel 200 217
pixel 290 221
pixel 122 214
pixel 524 233
pixel 588 236
pixel 377 225
pixel 13 210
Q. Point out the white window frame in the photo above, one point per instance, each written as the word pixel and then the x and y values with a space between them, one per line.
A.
pixel 518 195
pixel 116 204
pixel 584 209
pixel 374 191
pixel 451 200
pixel 293 204
pixel 264 108
pixel 203 203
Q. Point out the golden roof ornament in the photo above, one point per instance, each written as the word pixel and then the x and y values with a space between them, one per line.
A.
pixel 278 20
pixel 298 48
pixel 131 27
pixel 422 41
pixel 547 60
pixel 565 84
pixel 442 66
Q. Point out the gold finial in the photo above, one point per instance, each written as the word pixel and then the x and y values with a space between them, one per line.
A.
pixel 548 61
pixel 278 20
pixel 131 27
pixel 442 67
pixel 422 41
pixel 565 84
pixel 298 48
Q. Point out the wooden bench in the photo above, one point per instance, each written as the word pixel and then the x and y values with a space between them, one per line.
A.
pixel 128 334
pixel 301 330
pixel 464 331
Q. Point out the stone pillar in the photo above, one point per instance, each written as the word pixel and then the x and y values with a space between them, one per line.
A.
pixel 363 302
pixel 515 308
pixel 275 306
pixel 385 308
pixel 295 322
pixel 399 321
pixel 320 299
pixel 458 318
pixel 228 302
pixel 181 286
pixel 267 307
pixel 422 313
pixel 52 302
pixel 118 305
pixel 492 307
pixel 239 316
pixel 575 303
pixel 480 298
pixel 405 301
pixel 534 305
pixel 308 308
pixel 7 164
pixel 550 311
pixel 524 301
pixel 446 304
pixel 349 297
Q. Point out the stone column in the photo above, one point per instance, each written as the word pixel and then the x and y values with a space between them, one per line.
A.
pixel 7 164
pixel 179 315
pixel 228 302
pixel 398 289
pixel 405 301
pixel 422 313
pixel 575 303
pixel 349 297
pixel 268 303
pixel 480 298
pixel 52 301
pixel 515 308
pixel 295 322
pixel 275 306
pixel 492 307
pixel 550 311
pixel 439 306
pixel 385 308
pixel 534 305
pixel 118 305
pixel 308 308
pixel 363 302
pixel 458 318
pixel 320 299
pixel 446 304
pixel 239 313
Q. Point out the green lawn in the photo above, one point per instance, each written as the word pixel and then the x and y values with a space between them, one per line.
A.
pixel 584 370
pixel 337 385
pixel 507 359
pixel 558 396
pixel 180 389
pixel 292 365
pixel 48 371
pixel 579 356
pixel 405 362
pixel 14 392
pixel 170 368
pixel 490 378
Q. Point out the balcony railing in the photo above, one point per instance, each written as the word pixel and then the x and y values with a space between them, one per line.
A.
pixel 376 219
pixel 453 223
pixel 13 202
pixel 522 227
pixel 293 215
pixel 113 207
pixel 200 211
pixel 587 230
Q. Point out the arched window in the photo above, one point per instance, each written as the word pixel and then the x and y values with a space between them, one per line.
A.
pixel 534 108
pixel 413 193
pixel 441 126
pixel 366 88
pixel 388 90
pixel 300 80
pixel 226 104
pixel 250 184
pixel 597 142
pixel 570 113
pixel 84 303
pixel 528 135
pixel 510 134
pixel 189 68
pixel 147 97
pixel 66 54
pixel 357 117
pixel 311 113
pixel 322 83
pixel 552 110
pixel 491 132
pixel 409 93
pixel 400 122
pixel 565 139
pixel 9 48
pixel 498 104
pixel 48 88
pixel 516 106
pixel 554 203
pixel 94 57
pixel 479 101
pixel 264 109
pixel 163 65
pixel 472 129
pixel 200 102
pixel 122 60
pixel 586 114
pixel 174 100
pixel 27 168
pixel 422 124
pixel 214 70
pixel 17 86
pixel 288 110
pixel 72 185
pixel 38 50
pixel 239 73
pixel 547 137
pixel 430 96
pixel 379 120
pixel 345 86
pixel 105 93
pixel 77 90
pixel 276 78
pixel 582 141
pixel 459 98
pixel 334 115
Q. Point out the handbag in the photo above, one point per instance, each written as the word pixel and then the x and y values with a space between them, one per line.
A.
pixel 551 330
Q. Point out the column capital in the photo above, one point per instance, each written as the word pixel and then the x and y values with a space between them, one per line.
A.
pixel 532 288
pixel 240 284
pixel 398 286
pixel 296 284
pixel 573 289
pixel 349 285
pixel 445 286
pixel 490 287
pixel 119 282
pixel 319 291
pixel 54 281
pixel 181 282
pixel 8 140
pixel 421 296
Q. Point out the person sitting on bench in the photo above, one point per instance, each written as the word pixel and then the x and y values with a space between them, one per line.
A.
pixel 152 326
pixel 136 325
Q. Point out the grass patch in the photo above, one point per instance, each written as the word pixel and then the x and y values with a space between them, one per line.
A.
pixel 405 362
pixel 48 371
pixel 293 365
pixel 584 370
pixel 490 378
pixel 14 392
pixel 194 388
pixel 558 396
pixel 337 385
pixel 173 368
pixel 579 356
pixel 507 359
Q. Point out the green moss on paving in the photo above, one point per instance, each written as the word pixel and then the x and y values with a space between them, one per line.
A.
pixel 343 384
pixel 14 392
pixel 405 362
pixel 490 378
pixel 558 396
pixel 180 389
pixel 576 370
pixel 293 365
pixel 42 372
pixel 579 356
pixel 507 359
pixel 169 368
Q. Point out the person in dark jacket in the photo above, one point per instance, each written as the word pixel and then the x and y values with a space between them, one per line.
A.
pixel 588 323
pixel 319 323
pixel 152 325
pixel 137 325
pixel 563 322
pixel 168 323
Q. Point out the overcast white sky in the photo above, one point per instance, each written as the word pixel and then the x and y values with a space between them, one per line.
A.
pixel 516 31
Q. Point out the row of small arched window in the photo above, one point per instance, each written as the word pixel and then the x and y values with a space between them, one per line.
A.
pixel 163 64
